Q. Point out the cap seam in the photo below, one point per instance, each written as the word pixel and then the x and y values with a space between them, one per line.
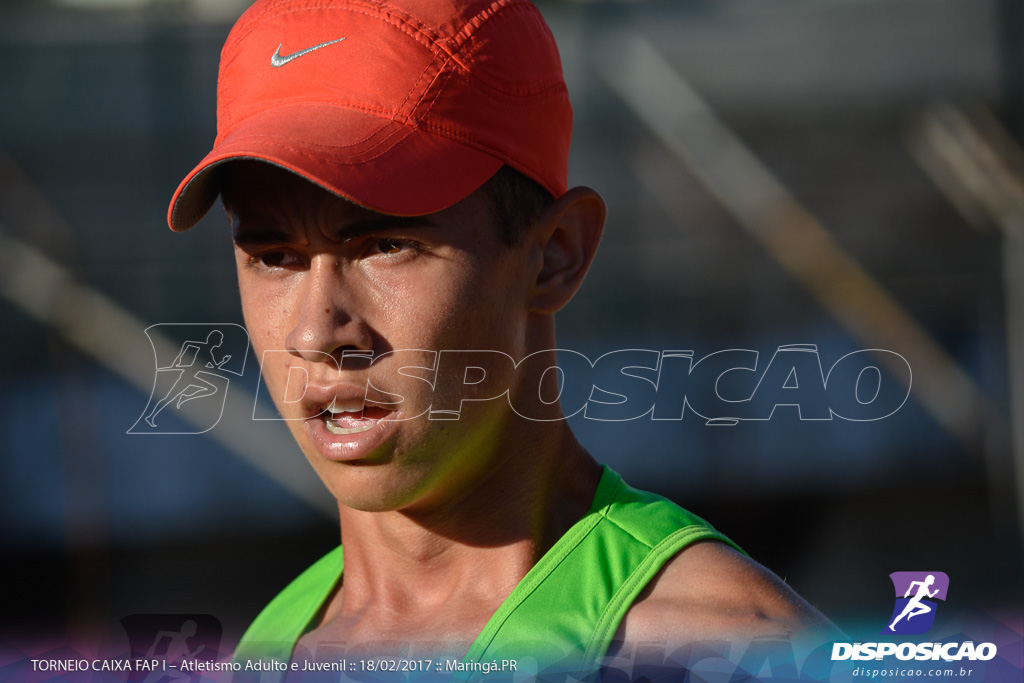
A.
pixel 384 115
pixel 482 18
pixel 554 82
pixel 417 87
pixel 327 148
pixel 440 87
pixel 465 49
pixel 424 122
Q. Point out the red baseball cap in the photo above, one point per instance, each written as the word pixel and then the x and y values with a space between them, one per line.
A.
pixel 404 107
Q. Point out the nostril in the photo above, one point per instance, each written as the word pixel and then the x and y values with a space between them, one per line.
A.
pixel 356 359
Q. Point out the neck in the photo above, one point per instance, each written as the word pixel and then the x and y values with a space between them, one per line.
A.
pixel 478 545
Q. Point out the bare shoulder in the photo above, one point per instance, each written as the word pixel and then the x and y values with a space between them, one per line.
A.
pixel 710 591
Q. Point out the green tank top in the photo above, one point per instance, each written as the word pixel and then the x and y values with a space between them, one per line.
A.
pixel 566 609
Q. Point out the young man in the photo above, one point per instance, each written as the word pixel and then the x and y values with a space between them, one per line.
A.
pixel 396 180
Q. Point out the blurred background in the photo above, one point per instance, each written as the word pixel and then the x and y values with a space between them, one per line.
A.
pixel 844 174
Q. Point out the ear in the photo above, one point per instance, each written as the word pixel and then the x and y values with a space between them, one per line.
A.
pixel 569 232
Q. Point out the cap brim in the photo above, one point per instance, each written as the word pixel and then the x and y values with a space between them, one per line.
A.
pixel 383 165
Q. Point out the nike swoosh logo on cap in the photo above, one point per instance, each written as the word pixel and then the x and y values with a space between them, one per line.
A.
pixel 277 59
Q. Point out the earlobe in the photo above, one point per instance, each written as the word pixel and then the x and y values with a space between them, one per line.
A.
pixel 571 230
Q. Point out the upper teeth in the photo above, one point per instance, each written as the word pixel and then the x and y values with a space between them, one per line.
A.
pixel 349 407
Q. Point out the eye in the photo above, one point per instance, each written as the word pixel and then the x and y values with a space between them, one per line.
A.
pixel 273 259
pixel 387 245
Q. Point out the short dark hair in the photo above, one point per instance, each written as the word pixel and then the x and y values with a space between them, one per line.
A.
pixel 517 201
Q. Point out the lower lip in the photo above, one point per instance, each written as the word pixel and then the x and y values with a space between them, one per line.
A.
pixel 349 447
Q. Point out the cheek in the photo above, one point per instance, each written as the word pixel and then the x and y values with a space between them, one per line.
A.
pixel 496 306
pixel 459 314
pixel 420 309
pixel 493 323
pixel 266 312
pixel 263 319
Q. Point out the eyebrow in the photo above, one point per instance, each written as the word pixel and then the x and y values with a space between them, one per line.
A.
pixel 259 236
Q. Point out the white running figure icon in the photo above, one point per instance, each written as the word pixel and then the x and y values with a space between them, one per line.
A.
pixel 915 607
pixel 195 385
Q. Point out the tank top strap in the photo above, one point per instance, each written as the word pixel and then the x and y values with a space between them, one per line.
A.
pixel 276 630
pixel 569 605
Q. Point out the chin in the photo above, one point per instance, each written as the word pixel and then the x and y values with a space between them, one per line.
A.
pixel 368 488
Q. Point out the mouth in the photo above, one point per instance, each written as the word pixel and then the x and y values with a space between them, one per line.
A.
pixel 342 424
pixel 354 417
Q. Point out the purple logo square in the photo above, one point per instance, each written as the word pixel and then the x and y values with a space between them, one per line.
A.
pixel 915 606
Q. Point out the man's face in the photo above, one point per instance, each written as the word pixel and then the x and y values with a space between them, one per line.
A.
pixel 322 278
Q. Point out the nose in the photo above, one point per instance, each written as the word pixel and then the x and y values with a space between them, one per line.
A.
pixel 327 319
